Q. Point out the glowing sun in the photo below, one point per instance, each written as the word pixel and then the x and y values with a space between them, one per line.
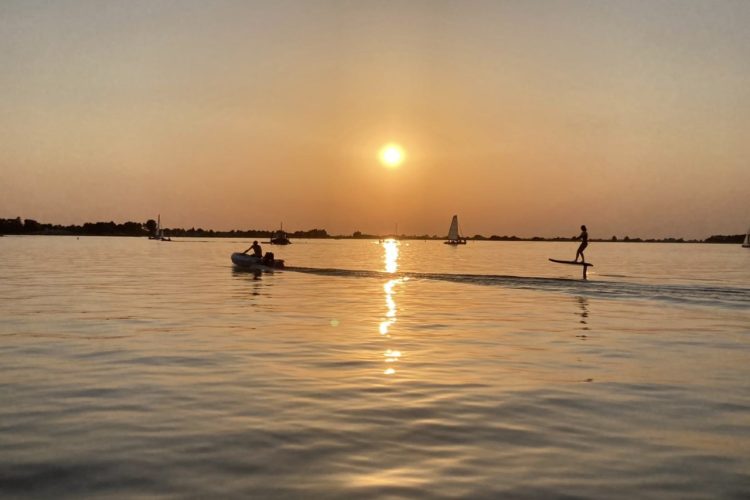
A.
pixel 391 155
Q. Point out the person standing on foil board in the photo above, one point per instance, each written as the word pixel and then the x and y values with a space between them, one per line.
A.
pixel 584 237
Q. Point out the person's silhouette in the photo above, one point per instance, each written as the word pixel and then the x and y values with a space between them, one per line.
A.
pixel 584 237
pixel 257 250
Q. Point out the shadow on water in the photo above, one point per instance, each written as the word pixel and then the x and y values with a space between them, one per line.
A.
pixel 238 272
pixel 710 295
pixel 583 312
pixel 258 287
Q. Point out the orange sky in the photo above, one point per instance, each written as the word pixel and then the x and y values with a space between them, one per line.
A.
pixel 525 118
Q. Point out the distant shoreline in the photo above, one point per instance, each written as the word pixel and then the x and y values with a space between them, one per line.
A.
pixel 29 227
pixel 718 239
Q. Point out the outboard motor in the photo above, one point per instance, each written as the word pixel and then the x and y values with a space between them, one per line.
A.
pixel 268 259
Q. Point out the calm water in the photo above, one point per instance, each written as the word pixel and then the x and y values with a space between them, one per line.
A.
pixel 134 368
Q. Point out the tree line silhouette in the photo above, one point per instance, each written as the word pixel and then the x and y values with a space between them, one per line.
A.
pixel 30 226
pixel 148 228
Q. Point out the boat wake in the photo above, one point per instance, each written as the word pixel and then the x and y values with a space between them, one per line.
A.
pixel 707 295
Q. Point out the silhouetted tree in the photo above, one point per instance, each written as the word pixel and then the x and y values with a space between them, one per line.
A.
pixel 31 226
pixel 720 238
pixel 132 229
pixel 11 226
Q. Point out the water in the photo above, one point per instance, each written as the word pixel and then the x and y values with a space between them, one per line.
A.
pixel 135 368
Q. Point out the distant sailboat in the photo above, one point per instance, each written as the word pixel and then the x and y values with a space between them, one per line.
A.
pixel 159 232
pixel 155 236
pixel 454 238
pixel 746 243
pixel 280 237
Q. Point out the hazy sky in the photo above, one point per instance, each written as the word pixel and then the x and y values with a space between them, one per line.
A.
pixel 523 117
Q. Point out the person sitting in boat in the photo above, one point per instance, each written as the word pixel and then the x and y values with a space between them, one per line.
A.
pixel 257 250
pixel 584 237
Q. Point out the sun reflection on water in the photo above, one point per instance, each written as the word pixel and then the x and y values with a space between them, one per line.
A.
pixel 390 248
pixel 391 255
pixel 390 304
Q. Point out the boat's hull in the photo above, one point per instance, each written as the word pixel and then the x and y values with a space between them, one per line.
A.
pixel 455 242
pixel 250 262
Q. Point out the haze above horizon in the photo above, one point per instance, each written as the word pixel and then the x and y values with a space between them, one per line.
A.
pixel 527 118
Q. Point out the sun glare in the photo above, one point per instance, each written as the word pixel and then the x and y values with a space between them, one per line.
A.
pixel 391 155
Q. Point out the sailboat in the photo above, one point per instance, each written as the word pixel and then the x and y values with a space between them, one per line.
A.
pixel 453 236
pixel 280 237
pixel 746 243
pixel 159 232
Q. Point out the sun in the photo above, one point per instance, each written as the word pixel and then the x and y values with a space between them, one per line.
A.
pixel 391 155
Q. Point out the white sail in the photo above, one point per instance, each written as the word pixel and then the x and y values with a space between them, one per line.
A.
pixel 159 232
pixel 746 244
pixel 453 231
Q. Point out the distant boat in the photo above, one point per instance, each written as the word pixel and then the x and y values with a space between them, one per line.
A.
pixel 746 243
pixel 280 237
pixel 159 232
pixel 454 237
